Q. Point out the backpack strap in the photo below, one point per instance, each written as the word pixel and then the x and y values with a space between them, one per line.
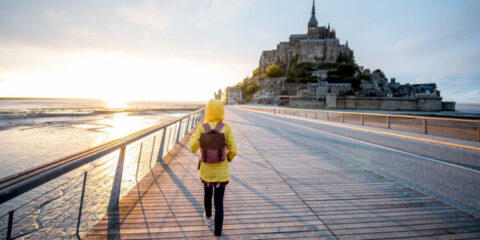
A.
pixel 206 127
pixel 219 127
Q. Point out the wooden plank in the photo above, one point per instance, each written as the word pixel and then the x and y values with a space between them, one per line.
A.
pixel 411 233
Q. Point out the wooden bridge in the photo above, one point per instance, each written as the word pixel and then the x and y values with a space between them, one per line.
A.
pixel 285 185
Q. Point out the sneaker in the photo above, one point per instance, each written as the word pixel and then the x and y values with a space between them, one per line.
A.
pixel 209 222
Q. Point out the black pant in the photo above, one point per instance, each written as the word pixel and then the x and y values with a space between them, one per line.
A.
pixel 218 201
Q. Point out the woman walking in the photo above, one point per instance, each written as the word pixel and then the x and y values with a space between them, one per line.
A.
pixel 214 137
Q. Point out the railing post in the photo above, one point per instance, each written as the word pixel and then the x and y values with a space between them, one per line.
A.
pixel 478 131
pixel 139 158
pixel 388 122
pixel 188 125
pixel 425 126
pixel 10 225
pixel 81 205
pixel 362 120
pixel 117 181
pixel 162 144
pixel 179 131
pixel 169 138
pixel 151 153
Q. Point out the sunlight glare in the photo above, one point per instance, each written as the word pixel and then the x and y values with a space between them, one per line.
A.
pixel 116 103
pixel 119 77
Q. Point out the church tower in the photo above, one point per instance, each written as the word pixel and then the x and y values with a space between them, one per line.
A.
pixel 312 24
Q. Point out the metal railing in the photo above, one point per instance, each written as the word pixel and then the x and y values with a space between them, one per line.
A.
pixel 112 169
pixel 446 127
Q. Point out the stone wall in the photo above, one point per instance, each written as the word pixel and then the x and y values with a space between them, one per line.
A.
pixel 448 106
pixel 390 104
pixel 274 85
pixel 267 58
pixel 292 88
pixel 312 50
pixel 374 103
pixel 301 103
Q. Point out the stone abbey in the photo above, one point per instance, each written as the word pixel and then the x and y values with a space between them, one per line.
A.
pixel 319 45
pixel 315 70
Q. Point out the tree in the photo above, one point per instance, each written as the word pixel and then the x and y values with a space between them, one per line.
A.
pixel 382 75
pixel 263 76
pixel 250 90
pixel 273 71
pixel 255 72
pixel 346 69
pixel 364 76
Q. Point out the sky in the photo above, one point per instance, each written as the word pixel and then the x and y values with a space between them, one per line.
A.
pixel 187 49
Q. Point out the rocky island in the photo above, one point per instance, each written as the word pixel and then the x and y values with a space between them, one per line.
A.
pixel 315 70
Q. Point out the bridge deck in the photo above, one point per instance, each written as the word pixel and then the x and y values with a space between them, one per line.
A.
pixel 282 188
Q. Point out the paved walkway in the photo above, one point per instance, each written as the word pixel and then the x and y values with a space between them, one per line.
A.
pixel 281 188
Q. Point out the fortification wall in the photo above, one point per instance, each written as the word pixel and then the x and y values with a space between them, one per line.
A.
pixel 292 88
pixel 448 106
pixel 300 103
pixel 314 50
pixel 373 103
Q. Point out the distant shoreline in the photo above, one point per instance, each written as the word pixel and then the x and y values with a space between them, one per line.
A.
pixel 99 99
pixel 39 98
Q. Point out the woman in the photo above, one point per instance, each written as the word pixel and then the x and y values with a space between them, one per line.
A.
pixel 214 176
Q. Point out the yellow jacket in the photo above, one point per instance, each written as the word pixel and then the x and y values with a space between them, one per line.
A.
pixel 215 172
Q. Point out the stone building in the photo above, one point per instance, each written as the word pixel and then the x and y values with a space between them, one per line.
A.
pixel 232 95
pixel 318 45
pixel 218 95
pixel 319 91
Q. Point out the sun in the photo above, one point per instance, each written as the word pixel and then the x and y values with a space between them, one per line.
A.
pixel 115 102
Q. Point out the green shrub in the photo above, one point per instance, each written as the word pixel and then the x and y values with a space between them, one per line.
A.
pixel 380 72
pixel 273 71
pixel 255 72
pixel 364 76
pixel 346 69
pixel 250 90
pixel 344 58
pixel 263 76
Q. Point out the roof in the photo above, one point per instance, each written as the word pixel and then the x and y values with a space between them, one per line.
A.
pixel 233 89
pixel 319 40
pixel 313 21
pixel 298 35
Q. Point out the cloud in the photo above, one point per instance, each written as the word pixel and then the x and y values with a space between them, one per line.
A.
pixel 56 16
pixel 460 89
pixel 182 14
pixel 147 14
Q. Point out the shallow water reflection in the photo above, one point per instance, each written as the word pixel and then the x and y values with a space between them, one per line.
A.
pixel 51 210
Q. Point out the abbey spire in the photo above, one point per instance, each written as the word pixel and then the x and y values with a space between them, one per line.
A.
pixel 313 8
pixel 312 24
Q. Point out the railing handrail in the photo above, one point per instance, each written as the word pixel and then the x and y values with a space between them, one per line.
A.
pixel 19 183
pixel 372 114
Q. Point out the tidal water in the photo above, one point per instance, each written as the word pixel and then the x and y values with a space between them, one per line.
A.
pixel 35 131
